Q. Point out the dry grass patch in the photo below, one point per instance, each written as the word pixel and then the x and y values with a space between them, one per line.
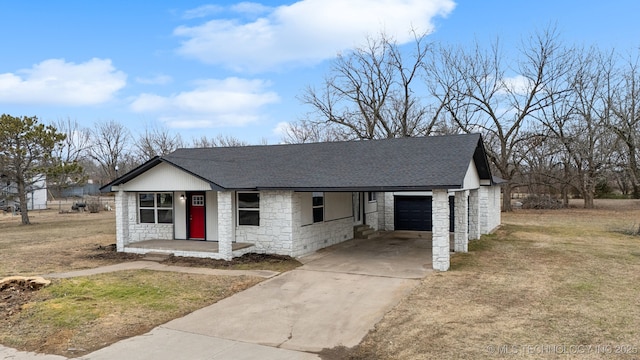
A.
pixel 547 278
pixel 55 242
pixel 75 316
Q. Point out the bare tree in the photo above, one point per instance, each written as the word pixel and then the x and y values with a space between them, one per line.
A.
pixel 480 97
pixel 219 141
pixel 156 141
pixel 578 122
pixel 370 93
pixel 110 148
pixel 625 118
pixel 305 131
pixel 70 154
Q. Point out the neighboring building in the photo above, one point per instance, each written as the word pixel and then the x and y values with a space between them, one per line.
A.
pixel 296 199
pixel 36 193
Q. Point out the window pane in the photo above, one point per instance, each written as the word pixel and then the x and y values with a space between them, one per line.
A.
pixel 318 214
pixel 165 216
pixel 249 217
pixel 318 199
pixel 146 200
pixel 165 200
pixel 248 200
pixel 147 216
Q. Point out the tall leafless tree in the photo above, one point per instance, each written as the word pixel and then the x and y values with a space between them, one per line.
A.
pixel 110 142
pixel 480 97
pixel 624 118
pixel 219 141
pixel 371 92
pixel 156 141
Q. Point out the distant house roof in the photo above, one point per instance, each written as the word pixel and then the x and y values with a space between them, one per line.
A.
pixel 419 163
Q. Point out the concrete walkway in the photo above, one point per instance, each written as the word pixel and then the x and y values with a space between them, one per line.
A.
pixel 335 298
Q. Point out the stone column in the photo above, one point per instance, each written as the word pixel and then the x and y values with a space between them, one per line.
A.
pixel 461 234
pixel 474 215
pixel 226 224
pixel 440 232
pixel 483 204
pixel 389 217
pixel 122 220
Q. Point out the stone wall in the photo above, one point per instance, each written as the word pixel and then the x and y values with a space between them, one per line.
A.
pixel 490 208
pixel 312 237
pixel 388 208
pixel 275 234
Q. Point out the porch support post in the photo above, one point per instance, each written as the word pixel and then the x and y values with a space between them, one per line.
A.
pixel 440 232
pixel 474 214
pixel 226 224
pixel 461 233
pixel 122 220
pixel 483 204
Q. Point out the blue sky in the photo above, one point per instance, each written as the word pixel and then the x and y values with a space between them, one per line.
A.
pixel 236 68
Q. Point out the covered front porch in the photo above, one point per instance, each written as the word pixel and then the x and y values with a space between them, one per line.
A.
pixel 188 248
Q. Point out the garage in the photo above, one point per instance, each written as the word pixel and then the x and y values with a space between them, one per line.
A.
pixel 414 213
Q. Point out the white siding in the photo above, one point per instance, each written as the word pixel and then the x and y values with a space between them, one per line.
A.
pixel 212 215
pixel 337 205
pixel 180 215
pixel 471 179
pixel 306 207
pixel 165 177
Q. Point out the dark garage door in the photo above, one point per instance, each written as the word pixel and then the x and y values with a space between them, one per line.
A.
pixel 414 213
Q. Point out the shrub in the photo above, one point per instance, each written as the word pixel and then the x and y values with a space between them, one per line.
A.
pixel 94 207
pixel 541 202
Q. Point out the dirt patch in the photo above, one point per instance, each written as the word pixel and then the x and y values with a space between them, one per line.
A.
pixel 248 261
pixel 13 297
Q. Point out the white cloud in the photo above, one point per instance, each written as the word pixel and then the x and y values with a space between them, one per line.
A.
pixel 57 82
pixel 281 128
pixel 156 80
pixel 250 8
pixel 307 31
pixel 212 103
pixel 202 11
pixel 517 84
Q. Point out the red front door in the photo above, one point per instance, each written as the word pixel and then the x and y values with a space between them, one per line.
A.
pixel 196 216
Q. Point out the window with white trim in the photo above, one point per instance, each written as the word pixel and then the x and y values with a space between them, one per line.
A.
pixel 372 196
pixel 318 207
pixel 248 208
pixel 155 208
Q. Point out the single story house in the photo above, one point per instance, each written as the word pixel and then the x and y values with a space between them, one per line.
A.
pixel 298 198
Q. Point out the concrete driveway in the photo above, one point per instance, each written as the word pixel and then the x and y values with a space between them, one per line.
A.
pixel 335 298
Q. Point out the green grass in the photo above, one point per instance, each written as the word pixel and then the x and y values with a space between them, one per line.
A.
pixel 91 312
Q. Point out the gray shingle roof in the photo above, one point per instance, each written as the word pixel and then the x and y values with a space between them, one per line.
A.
pixel 421 163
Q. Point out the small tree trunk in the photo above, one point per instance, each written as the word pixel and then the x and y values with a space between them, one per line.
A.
pixel 506 197
pixel 22 195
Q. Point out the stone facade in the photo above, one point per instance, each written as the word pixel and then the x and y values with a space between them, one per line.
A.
pixel 461 234
pixel 281 229
pixel 275 234
pixel 474 215
pixel 489 200
pixel 389 216
pixel 440 233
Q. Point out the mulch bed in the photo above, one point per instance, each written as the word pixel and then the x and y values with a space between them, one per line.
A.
pixel 249 258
